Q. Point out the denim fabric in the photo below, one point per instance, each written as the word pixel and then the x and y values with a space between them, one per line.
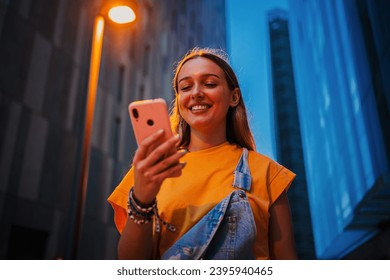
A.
pixel 227 231
pixel 242 174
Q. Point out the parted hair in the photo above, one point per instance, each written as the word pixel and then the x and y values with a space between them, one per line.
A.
pixel 237 126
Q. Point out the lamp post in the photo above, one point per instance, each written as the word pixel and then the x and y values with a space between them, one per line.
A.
pixel 120 12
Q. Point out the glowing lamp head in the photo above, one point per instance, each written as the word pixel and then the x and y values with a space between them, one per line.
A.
pixel 121 14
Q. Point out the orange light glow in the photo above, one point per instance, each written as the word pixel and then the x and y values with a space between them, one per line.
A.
pixel 121 14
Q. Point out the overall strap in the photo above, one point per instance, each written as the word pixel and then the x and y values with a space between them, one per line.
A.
pixel 193 244
pixel 242 174
pixel 227 230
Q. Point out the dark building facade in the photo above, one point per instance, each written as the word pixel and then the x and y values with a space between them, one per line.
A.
pixel 287 129
pixel 341 55
pixel 44 63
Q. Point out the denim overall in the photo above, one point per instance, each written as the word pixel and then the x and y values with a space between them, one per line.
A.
pixel 227 231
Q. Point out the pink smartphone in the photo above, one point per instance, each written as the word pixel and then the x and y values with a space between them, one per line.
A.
pixel 149 116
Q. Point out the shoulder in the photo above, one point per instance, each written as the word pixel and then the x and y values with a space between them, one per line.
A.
pixel 259 160
pixel 268 172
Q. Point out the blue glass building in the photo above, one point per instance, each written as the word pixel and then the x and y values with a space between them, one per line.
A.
pixel 287 130
pixel 341 64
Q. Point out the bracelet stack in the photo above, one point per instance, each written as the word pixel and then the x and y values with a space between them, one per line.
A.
pixel 140 214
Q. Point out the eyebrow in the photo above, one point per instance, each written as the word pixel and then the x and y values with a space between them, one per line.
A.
pixel 203 75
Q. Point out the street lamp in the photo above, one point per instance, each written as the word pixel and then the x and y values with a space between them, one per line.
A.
pixel 121 12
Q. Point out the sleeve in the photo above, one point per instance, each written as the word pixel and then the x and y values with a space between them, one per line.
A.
pixel 118 200
pixel 280 179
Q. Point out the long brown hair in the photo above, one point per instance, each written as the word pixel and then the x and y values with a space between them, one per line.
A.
pixel 237 126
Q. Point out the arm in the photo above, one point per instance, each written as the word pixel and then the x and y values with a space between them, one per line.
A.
pixel 136 241
pixel 281 235
pixel 154 161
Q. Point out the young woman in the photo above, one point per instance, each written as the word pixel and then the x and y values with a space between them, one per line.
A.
pixel 217 198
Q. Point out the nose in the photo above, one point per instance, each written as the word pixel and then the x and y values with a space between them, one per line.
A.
pixel 197 92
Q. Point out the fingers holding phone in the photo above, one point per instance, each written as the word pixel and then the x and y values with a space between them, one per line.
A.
pixel 162 159
pixel 151 169
pixel 156 157
pixel 148 145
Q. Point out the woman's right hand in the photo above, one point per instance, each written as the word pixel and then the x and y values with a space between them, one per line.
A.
pixel 154 161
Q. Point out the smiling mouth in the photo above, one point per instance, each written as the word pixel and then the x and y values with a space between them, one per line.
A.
pixel 199 108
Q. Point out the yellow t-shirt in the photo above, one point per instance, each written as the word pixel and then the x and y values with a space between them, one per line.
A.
pixel 205 181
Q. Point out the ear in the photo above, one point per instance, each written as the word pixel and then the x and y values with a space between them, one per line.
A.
pixel 235 98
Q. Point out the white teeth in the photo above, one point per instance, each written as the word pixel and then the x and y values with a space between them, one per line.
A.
pixel 199 107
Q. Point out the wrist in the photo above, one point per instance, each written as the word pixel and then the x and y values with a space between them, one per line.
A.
pixel 142 201
pixel 140 214
pixel 143 213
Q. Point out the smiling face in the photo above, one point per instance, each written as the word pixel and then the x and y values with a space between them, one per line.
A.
pixel 204 96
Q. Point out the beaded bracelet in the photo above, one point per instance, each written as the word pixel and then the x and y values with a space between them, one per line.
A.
pixel 133 206
pixel 138 221
pixel 138 214
pixel 143 215
pixel 158 219
pixel 136 203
